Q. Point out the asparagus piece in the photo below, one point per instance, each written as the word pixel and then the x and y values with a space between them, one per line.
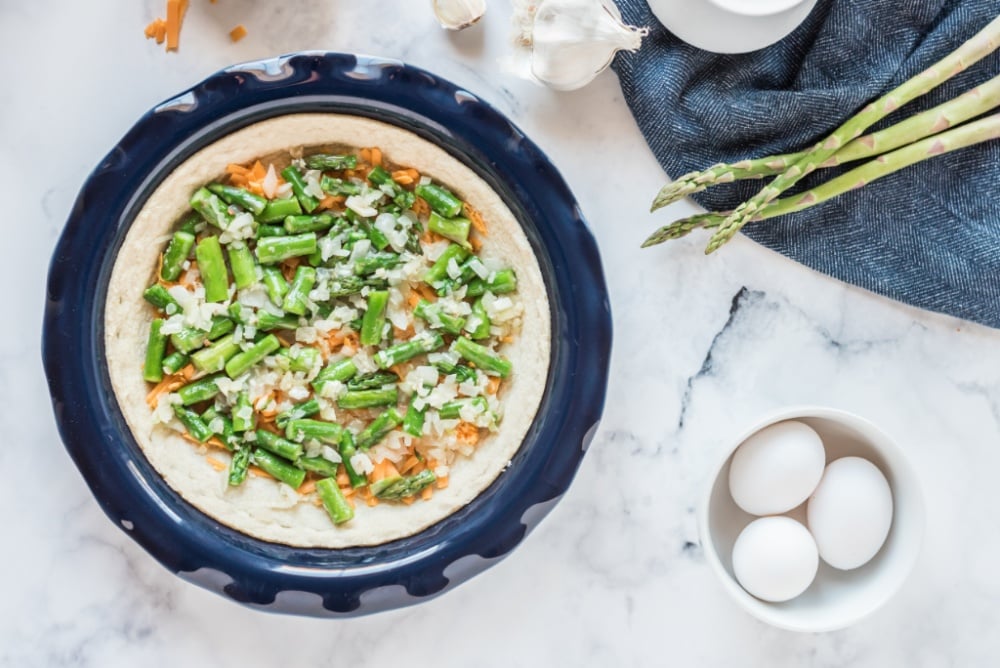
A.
pixel 499 283
pixel 279 209
pixel 214 357
pixel 212 266
pixel 342 286
pixel 304 430
pixel 379 428
pixel 297 412
pixel 276 285
pixel 275 249
pixel 298 293
pixel 455 229
pixel 242 263
pixel 338 371
pixel 160 297
pixel 348 450
pixel 279 468
pixel 984 129
pixel 241 362
pixel 177 252
pixel 439 270
pixel 400 487
pixel 482 357
pixel 156 346
pixel 243 413
pixel 372 381
pixel 374 319
pixel 453 409
pixel 368 398
pixel 245 199
pixel 190 339
pixel 462 373
pixel 333 500
pixel 190 223
pixel 328 161
pixel 437 318
pixel 239 466
pixel 413 421
pixel 211 208
pixel 425 342
pixel 294 177
pixel 268 321
pixel 402 197
pixel 303 359
pixel 478 323
pixel 225 431
pixel 278 445
pixel 273 230
pixel 979 100
pixel 199 390
pixel 193 424
pixel 439 199
pixel 976 48
pixel 174 362
pixel 319 465
pixel 372 263
pixel 300 224
pixel 334 186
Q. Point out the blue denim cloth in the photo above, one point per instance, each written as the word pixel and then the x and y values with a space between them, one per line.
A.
pixel 928 235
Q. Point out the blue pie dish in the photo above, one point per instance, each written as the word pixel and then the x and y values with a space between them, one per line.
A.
pixel 324 582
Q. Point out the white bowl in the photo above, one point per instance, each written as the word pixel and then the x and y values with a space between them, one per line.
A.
pixel 835 599
pixel 756 7
pixel 709 26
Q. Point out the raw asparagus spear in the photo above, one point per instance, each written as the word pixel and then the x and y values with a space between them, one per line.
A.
pixel 969 134
pixel 979 100
pixel 976 48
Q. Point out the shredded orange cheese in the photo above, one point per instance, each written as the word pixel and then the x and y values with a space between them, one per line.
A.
pixel 476 219
pixel 215 463
pixel 238 33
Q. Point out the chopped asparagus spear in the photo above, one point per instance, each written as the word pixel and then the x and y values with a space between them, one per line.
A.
pixel 333 500
pixel 176 254
pixel 239 197
pixel 156 346
pixel 280 468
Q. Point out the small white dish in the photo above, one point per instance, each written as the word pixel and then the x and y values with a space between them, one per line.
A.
pixel 711 27
pixel 836 599
pixel 756 7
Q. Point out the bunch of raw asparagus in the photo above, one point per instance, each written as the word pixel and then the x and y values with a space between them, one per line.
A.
pixel 922 136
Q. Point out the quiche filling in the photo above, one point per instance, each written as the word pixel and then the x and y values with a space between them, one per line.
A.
pixel 325 316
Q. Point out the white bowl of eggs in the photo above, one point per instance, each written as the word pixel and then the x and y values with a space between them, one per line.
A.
pixel 813 519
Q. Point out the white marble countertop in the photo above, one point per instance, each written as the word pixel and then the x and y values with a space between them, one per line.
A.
pixel 615 575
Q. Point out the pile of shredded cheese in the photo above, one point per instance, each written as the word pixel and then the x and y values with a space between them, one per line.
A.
pixel 169 30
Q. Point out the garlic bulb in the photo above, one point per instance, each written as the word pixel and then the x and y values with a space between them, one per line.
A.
pixel 458 14
pixel 564 44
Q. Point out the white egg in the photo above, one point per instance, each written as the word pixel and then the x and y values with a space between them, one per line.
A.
pixel 775 558
pixel 850 512
pixel 777 468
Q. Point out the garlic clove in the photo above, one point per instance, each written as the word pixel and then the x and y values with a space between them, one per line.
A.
pixel 570 42
pixel 458 14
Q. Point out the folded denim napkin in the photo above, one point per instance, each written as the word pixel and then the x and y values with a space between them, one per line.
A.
pixel 928 235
